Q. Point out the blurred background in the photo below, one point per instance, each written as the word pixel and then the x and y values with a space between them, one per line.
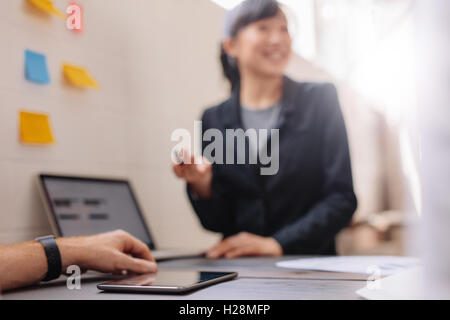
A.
pixel 157 62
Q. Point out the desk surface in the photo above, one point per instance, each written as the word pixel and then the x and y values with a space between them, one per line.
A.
pixel 259 279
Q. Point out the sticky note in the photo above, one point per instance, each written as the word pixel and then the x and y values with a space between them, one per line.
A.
pixel 35 128
pixel 48 7
pixel 79 76
pixel 36 67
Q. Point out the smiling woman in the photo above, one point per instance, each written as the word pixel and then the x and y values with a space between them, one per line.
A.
pixel 310 198
pixel 262 45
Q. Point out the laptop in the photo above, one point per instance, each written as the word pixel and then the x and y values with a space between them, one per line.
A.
pixel 78 206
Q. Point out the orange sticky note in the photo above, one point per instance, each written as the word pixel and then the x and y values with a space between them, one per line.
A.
pixel 35 128
pixel 47 6
pixel 79 76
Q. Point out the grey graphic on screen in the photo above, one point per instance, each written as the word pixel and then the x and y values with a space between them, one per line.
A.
pixel 90 207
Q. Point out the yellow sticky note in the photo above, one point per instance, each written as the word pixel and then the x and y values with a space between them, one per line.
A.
pixel 35 128
pixel 47 6
pixel 79 76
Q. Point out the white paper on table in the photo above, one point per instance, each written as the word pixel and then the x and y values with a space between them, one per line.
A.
pixel 386 265
pixel 405 285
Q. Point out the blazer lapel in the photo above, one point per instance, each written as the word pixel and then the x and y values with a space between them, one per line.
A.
pixel 232 120
pixel 287 101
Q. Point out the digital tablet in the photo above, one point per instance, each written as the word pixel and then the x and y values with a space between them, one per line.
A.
pixel 167 281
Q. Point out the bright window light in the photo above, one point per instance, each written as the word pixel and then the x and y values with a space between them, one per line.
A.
pixel 227 4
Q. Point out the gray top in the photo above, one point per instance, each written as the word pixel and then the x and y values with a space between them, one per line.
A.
pixel 260 119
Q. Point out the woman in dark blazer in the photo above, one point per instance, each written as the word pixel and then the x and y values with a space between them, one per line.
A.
pixel 302 206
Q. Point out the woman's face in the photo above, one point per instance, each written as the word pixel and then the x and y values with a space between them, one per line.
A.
pixel 263 47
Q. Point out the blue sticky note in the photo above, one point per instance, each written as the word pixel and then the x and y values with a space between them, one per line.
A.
pixel 36 67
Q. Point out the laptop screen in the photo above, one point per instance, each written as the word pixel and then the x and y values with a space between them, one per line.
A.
pixel 84 206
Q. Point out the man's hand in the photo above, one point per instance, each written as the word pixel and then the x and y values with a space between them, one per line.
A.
pixel 245 244
pixel 113 252
pixel 23 264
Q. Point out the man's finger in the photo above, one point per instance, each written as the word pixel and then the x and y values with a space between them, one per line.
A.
pixel 138 249
pixel 135 264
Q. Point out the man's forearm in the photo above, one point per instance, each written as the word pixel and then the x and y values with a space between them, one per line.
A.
pixel 22 265
pixel 112 252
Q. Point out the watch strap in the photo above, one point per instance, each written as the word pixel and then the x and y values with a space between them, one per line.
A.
pixel 53 257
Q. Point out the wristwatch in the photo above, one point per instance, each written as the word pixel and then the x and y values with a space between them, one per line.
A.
pixel 53 257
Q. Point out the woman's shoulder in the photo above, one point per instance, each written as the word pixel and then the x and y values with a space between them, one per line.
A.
pixel 311 88
pixel 314 100
pixel 320 96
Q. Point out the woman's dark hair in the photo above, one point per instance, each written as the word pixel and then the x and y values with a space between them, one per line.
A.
pixel 246 13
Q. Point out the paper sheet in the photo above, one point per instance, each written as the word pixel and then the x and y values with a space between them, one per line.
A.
pixel 48 7
pixel 384 265
pixel 36 67
pixel 35 128
pixel 404 285
pixel 79 76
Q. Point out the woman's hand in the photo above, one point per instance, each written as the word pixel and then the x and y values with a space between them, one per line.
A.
pixel 245 244
pixel 196 172
pixel 113 252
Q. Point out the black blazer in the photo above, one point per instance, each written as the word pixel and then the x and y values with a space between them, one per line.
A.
pixel 310 199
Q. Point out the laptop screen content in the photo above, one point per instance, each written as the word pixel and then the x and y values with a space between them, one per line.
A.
pixel 83 206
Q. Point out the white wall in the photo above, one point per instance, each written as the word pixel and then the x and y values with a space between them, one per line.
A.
pixel 157 64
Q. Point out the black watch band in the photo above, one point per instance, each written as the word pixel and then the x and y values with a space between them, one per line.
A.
pixel 53 257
